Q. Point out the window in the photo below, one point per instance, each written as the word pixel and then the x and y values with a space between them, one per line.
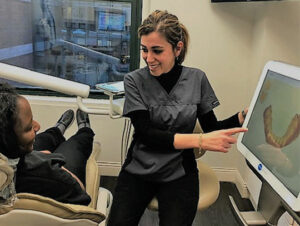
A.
pixel 86 41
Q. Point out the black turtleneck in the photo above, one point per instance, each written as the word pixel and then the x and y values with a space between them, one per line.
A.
pixel 169 79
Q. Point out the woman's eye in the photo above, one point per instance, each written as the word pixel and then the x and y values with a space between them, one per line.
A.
pixel 157 51
pixel 144 50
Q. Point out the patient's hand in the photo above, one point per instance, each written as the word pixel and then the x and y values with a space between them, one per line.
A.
pixel 72 174
pixel 76 178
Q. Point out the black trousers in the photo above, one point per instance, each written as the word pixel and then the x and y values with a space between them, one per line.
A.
pixel 177 200
pixel 76 149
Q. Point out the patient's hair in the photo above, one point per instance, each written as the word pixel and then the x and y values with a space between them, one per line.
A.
pixel 8 119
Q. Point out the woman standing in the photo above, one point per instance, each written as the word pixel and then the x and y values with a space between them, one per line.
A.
pixel 163 101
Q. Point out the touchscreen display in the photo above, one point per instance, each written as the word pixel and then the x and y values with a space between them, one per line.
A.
pixel 274 127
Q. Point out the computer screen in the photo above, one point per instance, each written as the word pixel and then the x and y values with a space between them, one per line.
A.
pixel 111 21
pixel 272 143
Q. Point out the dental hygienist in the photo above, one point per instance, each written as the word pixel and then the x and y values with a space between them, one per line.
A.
pixel 163 101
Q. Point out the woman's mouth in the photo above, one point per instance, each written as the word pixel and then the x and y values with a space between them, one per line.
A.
pixel 153 67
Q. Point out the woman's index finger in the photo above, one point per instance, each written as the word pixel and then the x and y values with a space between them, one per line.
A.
pixel 233 131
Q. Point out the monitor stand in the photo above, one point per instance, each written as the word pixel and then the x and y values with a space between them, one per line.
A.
pixel 270 209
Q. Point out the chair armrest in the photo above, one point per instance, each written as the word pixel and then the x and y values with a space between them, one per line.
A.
pixel 93 175
pixel 28 201
pixel 104 203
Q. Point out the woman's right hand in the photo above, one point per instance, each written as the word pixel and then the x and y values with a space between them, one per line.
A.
pixel 220 140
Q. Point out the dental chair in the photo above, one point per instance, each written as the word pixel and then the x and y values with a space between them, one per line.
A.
pixel 209 186
pixel 34 210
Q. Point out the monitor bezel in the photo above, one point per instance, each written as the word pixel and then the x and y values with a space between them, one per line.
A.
pixel 290 72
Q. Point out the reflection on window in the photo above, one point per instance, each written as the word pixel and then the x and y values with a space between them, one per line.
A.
pixel 79 40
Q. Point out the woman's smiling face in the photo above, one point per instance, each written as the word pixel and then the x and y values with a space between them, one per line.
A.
pixel 158 53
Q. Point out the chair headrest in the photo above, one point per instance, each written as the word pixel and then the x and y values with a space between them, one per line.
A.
pixel 6 172
pixel 7 186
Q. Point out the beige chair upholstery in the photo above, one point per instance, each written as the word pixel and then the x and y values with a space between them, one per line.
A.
pixel 34 210
pixel 209 186
pixel 92 180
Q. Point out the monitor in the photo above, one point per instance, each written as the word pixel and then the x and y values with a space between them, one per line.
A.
pixel 272 143
pixel 110 21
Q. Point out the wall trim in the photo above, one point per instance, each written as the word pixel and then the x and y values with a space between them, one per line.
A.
pixel 234 176
pixel 54 100
pixel 109 168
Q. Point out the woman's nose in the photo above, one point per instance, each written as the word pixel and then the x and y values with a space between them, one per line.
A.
pixel 149 57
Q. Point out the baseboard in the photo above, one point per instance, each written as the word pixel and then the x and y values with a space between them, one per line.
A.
pixel 224 174
pixel 109 168
pixel 232 175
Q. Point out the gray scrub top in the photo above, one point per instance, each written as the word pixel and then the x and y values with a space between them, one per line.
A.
pixel 175 112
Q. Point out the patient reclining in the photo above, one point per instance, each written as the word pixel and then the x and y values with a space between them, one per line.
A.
pixel 49 165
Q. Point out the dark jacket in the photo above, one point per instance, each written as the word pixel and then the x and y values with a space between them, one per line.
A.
pixel 42 174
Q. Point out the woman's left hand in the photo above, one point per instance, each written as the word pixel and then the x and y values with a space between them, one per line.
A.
pixel 242 115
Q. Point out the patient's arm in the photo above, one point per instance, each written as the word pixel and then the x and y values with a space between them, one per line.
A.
pixel 72 174
pixel 46 152
pixel 76 178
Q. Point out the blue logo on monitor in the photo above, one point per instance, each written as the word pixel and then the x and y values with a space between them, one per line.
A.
pixel 259 167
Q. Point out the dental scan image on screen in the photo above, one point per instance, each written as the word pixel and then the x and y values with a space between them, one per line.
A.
pixel 274 127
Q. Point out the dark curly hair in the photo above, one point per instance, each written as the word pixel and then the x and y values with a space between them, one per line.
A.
pixel 8 118
pixel 170 27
